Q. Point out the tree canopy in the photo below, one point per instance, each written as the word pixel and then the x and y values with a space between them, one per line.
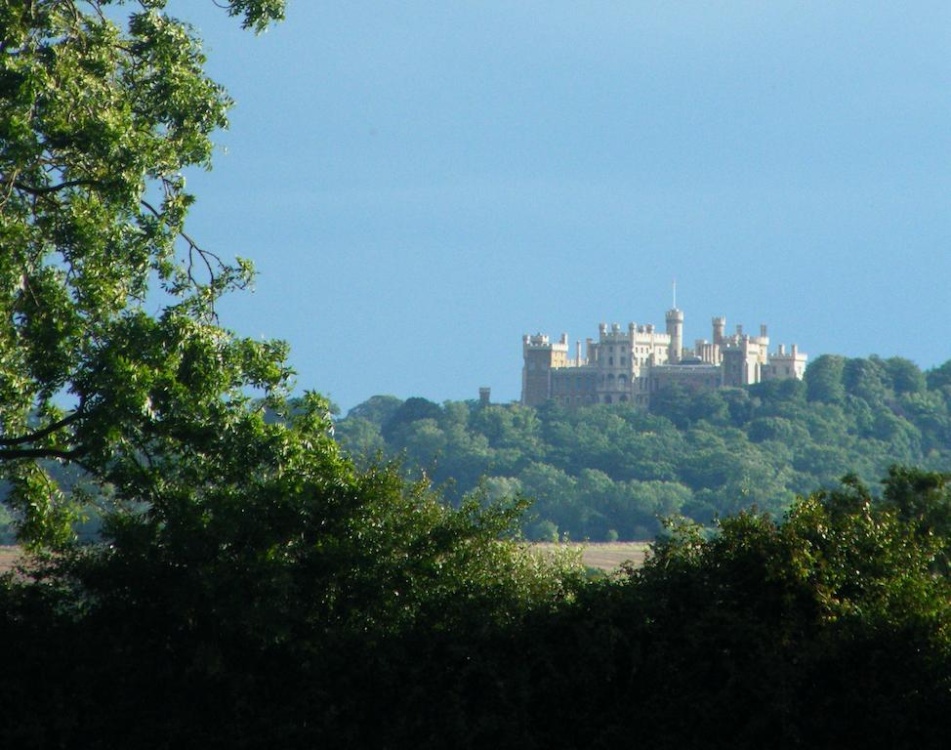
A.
pixel 103 106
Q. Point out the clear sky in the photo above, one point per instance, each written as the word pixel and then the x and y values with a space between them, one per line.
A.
pixel 420 183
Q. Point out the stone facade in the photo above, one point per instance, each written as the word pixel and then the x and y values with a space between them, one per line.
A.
pixel 628 365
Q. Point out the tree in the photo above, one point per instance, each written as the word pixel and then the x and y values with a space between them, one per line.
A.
pixel 360 438
pixel 97 124
pixel 905 375
pixel 939 377
pixel 412 410
pixel 674 403
pixel 376 409
pixel 824 379
pixel 826 629
pixel 248 572
pixel 866 378
pixel 922 499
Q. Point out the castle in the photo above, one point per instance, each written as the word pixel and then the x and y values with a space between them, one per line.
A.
pixel 631 365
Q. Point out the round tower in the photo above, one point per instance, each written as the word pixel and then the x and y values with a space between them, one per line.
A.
pixel 675 329
pixel 719 324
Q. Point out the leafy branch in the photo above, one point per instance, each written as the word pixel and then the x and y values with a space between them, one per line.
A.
pixel 38 435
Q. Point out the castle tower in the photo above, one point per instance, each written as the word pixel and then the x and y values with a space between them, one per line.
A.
pixel 719 325
pixel 540 356
pixel 675 329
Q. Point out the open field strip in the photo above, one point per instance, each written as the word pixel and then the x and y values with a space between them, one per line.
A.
pixel 9 555
pixel 604 555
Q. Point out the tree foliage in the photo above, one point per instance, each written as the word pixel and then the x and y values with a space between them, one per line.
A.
pixel 827 628
pixel 244 564
pixel 103 106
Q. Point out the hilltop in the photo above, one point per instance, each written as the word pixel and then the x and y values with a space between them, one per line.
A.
pixel 607 472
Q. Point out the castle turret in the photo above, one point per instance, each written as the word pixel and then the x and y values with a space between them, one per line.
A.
pixel 675 329
pixel 719 325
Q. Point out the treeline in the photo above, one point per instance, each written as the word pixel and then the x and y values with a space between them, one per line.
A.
pixel 364 613
pixel 613 472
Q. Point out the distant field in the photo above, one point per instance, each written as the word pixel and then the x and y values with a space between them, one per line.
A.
pixel 606 555
pixel 8 557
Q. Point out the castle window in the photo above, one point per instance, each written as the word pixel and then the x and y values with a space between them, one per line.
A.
pixel 611 361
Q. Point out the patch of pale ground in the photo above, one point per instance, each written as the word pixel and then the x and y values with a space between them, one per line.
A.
pixel 607 556
pixel 9 556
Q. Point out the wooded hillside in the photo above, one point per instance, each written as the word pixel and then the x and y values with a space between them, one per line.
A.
pixel 612 472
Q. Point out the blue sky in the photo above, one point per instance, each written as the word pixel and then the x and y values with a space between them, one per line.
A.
pixel 419 184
